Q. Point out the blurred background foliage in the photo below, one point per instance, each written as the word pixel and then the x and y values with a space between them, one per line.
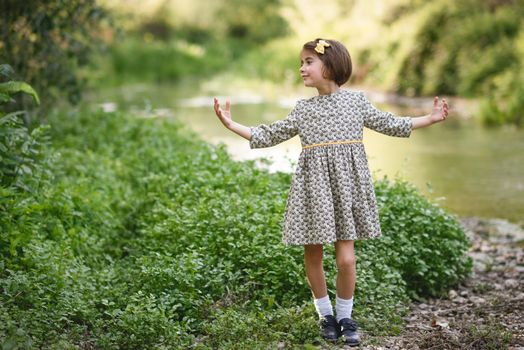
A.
pixel 465 48
pixel 411 47
pixel 48 42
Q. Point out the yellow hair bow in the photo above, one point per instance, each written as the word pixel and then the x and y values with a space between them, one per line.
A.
pixel 320 46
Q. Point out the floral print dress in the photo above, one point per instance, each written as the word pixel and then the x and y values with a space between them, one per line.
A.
pixel 332 195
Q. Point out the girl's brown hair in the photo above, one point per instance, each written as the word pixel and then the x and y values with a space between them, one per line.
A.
pixel 336 60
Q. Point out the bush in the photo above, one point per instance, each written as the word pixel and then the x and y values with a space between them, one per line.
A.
pixel 423 242
pixel 147 238
pixel 24 163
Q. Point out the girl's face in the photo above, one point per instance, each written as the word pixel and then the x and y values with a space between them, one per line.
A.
pixel 311 69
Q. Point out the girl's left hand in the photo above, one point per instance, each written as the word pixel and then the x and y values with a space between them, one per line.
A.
pixel 439 113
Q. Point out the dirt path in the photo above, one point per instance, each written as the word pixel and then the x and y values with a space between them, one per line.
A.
pixel 486 311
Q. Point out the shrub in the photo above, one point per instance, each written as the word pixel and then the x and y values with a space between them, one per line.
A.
pixel 23 161
pixel 147 238
pixel 422 241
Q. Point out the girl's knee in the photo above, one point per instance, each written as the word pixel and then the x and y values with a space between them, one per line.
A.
pixel 347 261
pixel 345 254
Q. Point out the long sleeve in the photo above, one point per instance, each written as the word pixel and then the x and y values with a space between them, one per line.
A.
pixel 385 122
pixel 276 132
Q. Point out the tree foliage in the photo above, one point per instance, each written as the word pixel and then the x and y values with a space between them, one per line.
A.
pixel 46 42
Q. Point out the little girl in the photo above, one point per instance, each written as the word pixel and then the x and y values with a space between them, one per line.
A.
pixel 332 198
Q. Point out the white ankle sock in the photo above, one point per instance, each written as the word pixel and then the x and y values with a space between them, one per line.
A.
pixel 344 307
pixel 323 306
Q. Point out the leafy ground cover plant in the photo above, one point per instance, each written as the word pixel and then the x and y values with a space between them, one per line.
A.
pixel 146 237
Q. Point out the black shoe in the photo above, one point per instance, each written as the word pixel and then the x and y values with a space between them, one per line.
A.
pixel 348 328
pixel 329 329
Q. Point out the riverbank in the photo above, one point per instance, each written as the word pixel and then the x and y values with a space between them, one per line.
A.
pixel 485 310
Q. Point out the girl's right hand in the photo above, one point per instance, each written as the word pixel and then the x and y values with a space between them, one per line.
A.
pixel 223 115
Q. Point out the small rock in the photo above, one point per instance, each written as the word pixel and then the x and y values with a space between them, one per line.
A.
pixel 501 259
pixel 498 286
pixel 512 275
pixel 477 300
pixel 452 294
pixel 459 300
pixel 492 275
pixel 464 293
pixel 452 336
pixel 423 306
pixel 511 283
pixel 500 268
pixel 484 247
pixel 482 265
pixel 519 268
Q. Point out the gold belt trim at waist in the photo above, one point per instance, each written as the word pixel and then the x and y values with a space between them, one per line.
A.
pixel 332 143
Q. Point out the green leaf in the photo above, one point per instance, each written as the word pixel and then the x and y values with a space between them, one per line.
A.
pixel 5 98
pixel 25 169
pixel 12 87
pixel 6 70
pixel 6 118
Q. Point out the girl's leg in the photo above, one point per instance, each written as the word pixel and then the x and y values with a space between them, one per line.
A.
pixel 315 270
pixel 346 266
pixel 329 328
pixel 346 279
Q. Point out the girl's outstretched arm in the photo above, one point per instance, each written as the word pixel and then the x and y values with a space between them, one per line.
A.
pixel 439 113
pixel 225 117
